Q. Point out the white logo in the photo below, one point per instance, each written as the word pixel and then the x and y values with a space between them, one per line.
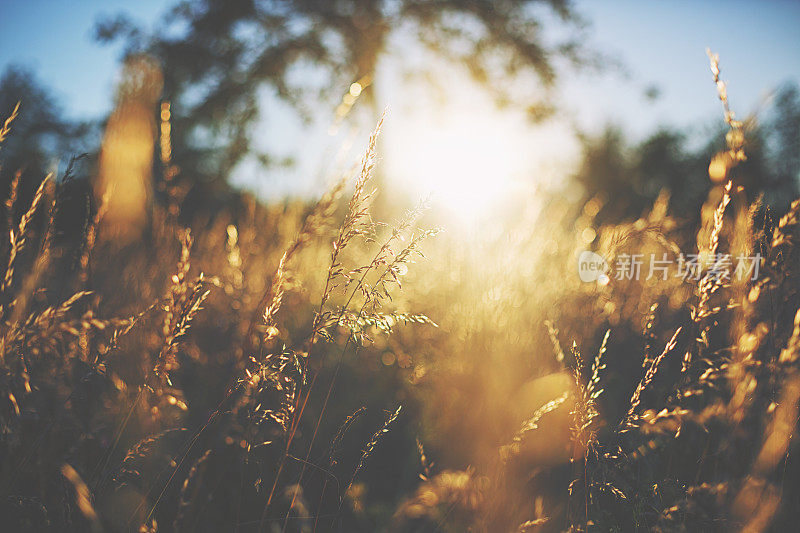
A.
pixel 592 267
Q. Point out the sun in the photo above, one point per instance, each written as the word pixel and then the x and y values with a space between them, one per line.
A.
pixel 467 157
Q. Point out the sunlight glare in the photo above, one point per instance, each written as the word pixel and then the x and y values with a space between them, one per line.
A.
pixel 467 160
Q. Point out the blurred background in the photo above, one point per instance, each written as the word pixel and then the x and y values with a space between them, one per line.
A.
pixel 530 131
pixel 643 70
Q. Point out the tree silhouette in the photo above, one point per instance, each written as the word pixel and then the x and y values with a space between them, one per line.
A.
pixel 41 139
pixel 785 138
pixel 627 177
pixel 218 56
pixel 40 134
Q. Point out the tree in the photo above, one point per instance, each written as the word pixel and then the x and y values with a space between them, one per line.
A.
pixel 627 178
pixel 784 129
pixel 217 55
pixel 605 171
pixel 40 138
pixel 40 134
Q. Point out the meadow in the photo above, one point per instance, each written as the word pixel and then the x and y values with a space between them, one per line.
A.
pixel 310 366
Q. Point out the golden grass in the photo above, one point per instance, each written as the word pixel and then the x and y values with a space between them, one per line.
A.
pixel 259 349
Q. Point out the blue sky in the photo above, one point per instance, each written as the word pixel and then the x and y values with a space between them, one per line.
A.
pixel 661 43
pixel 54 38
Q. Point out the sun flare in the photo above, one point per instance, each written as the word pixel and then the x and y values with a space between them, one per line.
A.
pixel 469 162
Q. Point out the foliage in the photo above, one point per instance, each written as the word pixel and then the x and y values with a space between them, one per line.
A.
pixel 626 178
pixel 219 57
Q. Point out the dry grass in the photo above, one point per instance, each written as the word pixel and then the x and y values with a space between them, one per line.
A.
pixel 259 349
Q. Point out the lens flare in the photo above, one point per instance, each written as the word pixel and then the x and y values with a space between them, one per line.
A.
pixel 468 161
